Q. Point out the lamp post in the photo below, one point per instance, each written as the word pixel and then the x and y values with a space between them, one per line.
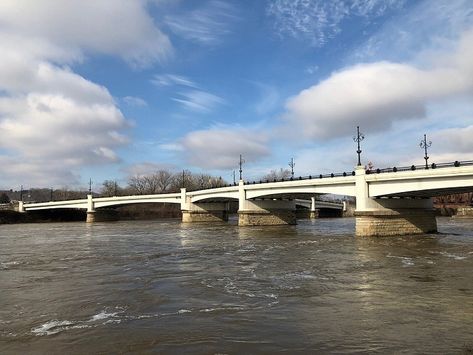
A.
pixel 241 165
pixel 358 138
pixel 424 145
pixel 292 164
pixel 234 178
pixel 21 193
pixel 183 178
pixel 90 186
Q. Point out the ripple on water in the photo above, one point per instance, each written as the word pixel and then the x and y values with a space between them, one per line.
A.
pixel 56 326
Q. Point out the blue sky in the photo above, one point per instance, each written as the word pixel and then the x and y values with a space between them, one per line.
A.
pixel 112 88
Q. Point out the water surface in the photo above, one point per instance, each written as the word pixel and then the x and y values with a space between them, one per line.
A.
pixel 162 286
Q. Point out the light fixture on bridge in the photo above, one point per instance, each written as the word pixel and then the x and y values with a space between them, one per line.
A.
pixel 292 164
pixel 241 165
pixel 358 138
pixel 424 145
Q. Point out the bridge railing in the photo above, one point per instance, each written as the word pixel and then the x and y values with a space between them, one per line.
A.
pixel 420 167
pixel 306 177
pixel 295 178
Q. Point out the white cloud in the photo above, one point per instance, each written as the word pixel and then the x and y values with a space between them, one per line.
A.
pixel 220 147
pixel 172 79
pixel 199 101
pixel 115 27
pixel 135 101
pixel 147 168
pixel 318 21
pixel 172 147
pixel 204 25
pixel 423 28
pixel 455 140
pixel 54 121
pixel 376 95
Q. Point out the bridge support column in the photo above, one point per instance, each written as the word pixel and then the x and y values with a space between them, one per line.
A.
pixel 267 213
pixel 391 216
pixel 90 210
pixel 204 211
pixel 314 213
pixel 102 215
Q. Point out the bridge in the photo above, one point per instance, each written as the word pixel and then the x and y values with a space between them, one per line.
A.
pixel 391 201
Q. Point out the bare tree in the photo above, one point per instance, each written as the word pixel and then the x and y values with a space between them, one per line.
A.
pixel 164 180
pixel 159 182
pixel 110 188
pixel 137 184
pixel 277 175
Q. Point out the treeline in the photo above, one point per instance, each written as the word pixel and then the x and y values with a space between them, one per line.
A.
pixel 161 181
pixel 454 199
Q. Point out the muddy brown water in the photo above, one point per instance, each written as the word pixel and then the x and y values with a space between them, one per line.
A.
pixel 166 287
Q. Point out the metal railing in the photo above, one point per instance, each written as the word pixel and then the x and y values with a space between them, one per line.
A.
pixel 395 169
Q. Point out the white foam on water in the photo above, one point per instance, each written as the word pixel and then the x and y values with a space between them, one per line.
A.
pixel 112 321
pixel 6 265
pixel 51 327
pixel 182 311
pixel 453 256
pixel 218 309
pixel 406 261
pixel 102 315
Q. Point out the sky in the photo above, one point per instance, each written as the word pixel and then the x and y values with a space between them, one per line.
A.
pixel 108 89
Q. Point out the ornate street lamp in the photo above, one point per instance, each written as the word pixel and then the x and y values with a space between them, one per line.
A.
pixel 424 145
pixel 241 165
pixel 358 138
pixel 292 164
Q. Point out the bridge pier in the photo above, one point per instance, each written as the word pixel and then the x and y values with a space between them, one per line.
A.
pixel 267 213
pixel 391 216
pixel 219 215
pixel 202 211
pixel 102 215
pixel 314 213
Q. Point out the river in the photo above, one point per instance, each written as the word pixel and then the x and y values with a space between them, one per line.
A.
pixel 166 287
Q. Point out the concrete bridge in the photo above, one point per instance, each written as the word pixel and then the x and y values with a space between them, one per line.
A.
pixel 391 201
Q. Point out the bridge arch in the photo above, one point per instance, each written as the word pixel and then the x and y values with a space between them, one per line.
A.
pixel 347 189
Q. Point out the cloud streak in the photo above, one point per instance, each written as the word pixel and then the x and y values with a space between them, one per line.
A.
pixel 318 21
pixel 199 101
pixel 206 25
